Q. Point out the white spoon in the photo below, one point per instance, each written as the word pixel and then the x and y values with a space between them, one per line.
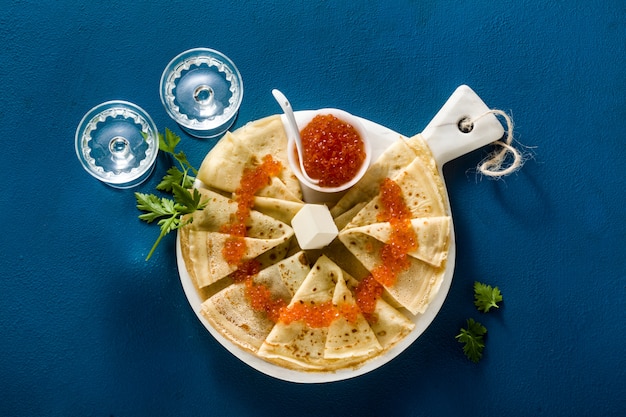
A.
pixel 295 132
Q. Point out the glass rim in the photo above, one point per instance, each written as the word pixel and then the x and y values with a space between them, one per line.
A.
pixel 107 109
pixel 218 123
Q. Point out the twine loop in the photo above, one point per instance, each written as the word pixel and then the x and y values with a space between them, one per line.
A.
pixel 495 165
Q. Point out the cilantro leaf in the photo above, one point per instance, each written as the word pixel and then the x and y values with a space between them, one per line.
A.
pixel 486 296
pixel 473 339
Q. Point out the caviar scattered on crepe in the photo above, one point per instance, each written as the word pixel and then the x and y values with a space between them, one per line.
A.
pixel 321 310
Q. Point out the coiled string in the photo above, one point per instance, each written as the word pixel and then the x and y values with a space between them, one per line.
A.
pixel 494 165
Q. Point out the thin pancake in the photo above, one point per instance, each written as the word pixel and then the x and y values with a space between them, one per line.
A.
pixel 223 166
pixel 203 242
pixel 432 235
pixel 421 189
pixel 365 235
pixel 414 287
pixel 343 343
pixel 388 324
pixel 230 313
pixel 277 208
pixel 394 159
pixel 295 343
pixel 345 339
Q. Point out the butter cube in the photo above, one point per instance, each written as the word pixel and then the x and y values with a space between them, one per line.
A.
pixel 314 227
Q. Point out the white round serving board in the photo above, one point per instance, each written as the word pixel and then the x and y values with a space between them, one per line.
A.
pixel 380 137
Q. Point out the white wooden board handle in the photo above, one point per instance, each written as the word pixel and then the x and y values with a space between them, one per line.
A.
pixel 445 138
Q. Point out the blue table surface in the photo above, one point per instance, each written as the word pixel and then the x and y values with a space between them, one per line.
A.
pixel 88 327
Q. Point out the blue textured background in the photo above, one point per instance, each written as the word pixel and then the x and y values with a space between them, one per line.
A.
pixel 87 327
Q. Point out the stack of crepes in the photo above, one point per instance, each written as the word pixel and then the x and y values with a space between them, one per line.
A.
pixel 314 320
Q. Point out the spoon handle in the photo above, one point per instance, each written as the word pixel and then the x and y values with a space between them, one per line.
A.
pixel 293 126
pixel 286 106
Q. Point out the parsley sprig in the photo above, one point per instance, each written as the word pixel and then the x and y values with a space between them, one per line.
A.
pixel 486 296
pixel 178 181
pixel 473 339
pixel 473 336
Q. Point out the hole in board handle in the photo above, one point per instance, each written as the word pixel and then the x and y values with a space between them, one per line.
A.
pixel 465 125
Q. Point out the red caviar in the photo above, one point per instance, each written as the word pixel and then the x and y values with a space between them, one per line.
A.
pixel 393 205
pixel 234 249
pixel 261 300
pixel 316 315
pixel 367 293
pixel 253 180
pixel 394 254
pixel 246 270
pixel 333 150
pixel 259 295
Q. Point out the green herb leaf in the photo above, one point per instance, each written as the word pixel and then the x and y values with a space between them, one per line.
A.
pixel 486 297
pixel 473 339
pixel 168 142
pixel 173 176
pixel 182 159
pixel 187 201
pixel 154 207
pixel 170 211
pixel 169 224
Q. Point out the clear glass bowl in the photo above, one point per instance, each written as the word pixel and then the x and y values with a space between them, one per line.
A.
pixel 201 89
pixel 117 142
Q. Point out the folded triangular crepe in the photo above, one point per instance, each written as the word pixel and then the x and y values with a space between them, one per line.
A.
pixel 223 166
pixel 347 339
pixel 230 313
pixel 277 208
pixel 389 325
pixel 421 189
pixel 202 241
pixel 339 343
pixel 394 159
pixel 432 239
pixel 414 287
pixel 365 235
pixel 295 342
